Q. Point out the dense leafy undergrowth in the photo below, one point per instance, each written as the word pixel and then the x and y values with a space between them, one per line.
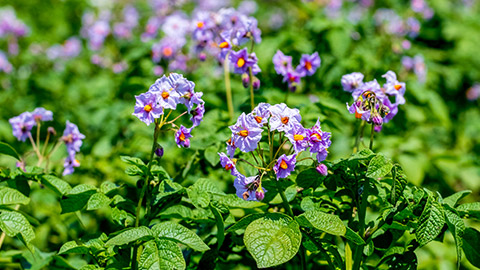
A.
pixel 239 134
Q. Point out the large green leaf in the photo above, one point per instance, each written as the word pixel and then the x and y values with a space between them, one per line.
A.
pixel 6 149
pixel 378 167
pixel 161 254
pixel 179 233
pixel 471 244
pixel 77 198
pixel 472 209
pixel 14 223
pixel 453 199
pixel 430 222
pixel 354 237
pixel 73 247
pixel 398 183
pixel 232 201
pixel 273 239
pixel 97 201
pixel 309 178
pixel 12 196
pixel 319 220
pixel 457 228
pixel 244 222
pixel 56 184
pixel 130 235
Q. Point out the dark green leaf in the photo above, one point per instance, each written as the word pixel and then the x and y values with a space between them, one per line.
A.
pixel 319 220
pixel 453 199
pixel 73 247
pixel 14 223
pixel 471 244
pixel 457 228
pixel 56 184
pixel 6 149
pixel 179 233
pixel 354 237
pixel 161 254
pixel 378 167
pixel 244 222
pixel 97 201
pixel 130 235
pixel 12 196
pixel 430 222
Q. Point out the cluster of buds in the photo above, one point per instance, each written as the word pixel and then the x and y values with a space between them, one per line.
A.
pixel 72 138
pixel 307 67
pixel 165 94
pixel 371 102
pixel 247 137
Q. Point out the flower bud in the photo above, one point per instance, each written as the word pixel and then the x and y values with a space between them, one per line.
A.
pixel 292 87
pixel 260 194
pixel 159 150
pixel 245 80
pixel 256 83
pixel 377 119
pixel 202 56
pixel 322 169
pixel 52 131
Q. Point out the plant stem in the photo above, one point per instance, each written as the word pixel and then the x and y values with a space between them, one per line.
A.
pixel 252 98
pixel 158 126
pixel 286 96
pixel 359 136
pixel 228 87
pixel 361 223
pixel 371 137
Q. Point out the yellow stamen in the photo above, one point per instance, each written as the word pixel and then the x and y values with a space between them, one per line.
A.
pixel 167 51
pixel 165 95
pixel 397 87
pixel 182 137
pixel 223 45
pixel 317 135
pixel 148 108
pixel 283 165
pixel 308 65
pixel 285 120
pixel 240 62
pixel 200 24
pixel 258 119
pixel 298 137
pixel 243 133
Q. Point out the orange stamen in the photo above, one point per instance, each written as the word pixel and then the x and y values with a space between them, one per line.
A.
pixel 167 51
pixel 308 65
pixel 223 45
pixel 285 120
pixel 243 133
pixel 165 95
pixel 258 119
pixel 283 165
pixel 228 167
pixel 298 137
pixel 200 24
pixel 358 115
pixel 148 108
pixel 182 137
pixel 240 62
pixel 397 87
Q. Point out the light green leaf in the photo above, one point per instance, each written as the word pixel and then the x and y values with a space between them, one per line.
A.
pixel 430 222
pixel 77 198
pixel 161 254
pixel 378 167
pixel 457 228
pixel 130 235
pixel 56 184
pixel 73 247
pixel 177 211
pixel 472 209
pixel 232 201
pixel 14 223
pixel 97 201
pixel 12 196
pixel 179 233
pixel 453 199
pixel 354 237
pixel 106 187
pixel 273 240
pixel 319 220
pixel 167 188
pixel 6 149
pixel 211 155
pixel 244 222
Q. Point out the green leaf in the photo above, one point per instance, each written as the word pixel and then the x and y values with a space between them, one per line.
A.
pixel 361 155
pixel 472 209
pixel 6 149
pixel 56 184
pixel 207 185
pixel 107 187
pixel 199 198
pixel 319 220
pixel 161 254
pixel 14 223
pixel 73 247
pixel 378 167
pixel 457 228
pixel 244 222
pixel 12 196
pixel 471 242
pixel 167 188
pixel 309 178
pixel 232 201
pixel 211 155
pixel 453 199
pixel 176 232
pixel 132 160
pixel 273 239
pixel 398 184
pixel 220 225
pixel 97 201
pixel 77 198
pixel 354 237
pixel 177 211
pixel 130 235
pixel 430 222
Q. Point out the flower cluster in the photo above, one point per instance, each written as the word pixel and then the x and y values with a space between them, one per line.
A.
pixel 417 65
pixel 371 102
pixel 23 124
pixel 12 28
pixel 307 67
pixel 167 93
pixel 273 119
pixel 71 48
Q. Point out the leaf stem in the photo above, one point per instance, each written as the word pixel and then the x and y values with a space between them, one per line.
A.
pixel 361 223
pixel 371 137
pixel 252 97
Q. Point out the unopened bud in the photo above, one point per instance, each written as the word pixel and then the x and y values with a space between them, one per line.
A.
pixel 260 194
pixel 256 83
pixel 202 56
pixel 322 169
pixel 245 80
pixel 52 131
pixel 292 87
pixel 159 151
pixel 377 119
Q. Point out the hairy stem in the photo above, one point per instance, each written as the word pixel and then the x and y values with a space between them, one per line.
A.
pixel 371 137
pixel 357 261
pixel 359 136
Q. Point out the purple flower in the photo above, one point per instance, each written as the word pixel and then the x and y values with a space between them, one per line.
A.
pixel 182 137
pixel 322 169
pixel 394 87
pixel 228 164
pixel 69 164
pixel 293 79
pixel 176 25
pixel 21 125
pixel 299 137
pixel 197 114
pixel 247 187
pixel 72 138
pixel 147 108
pixel 285 165
pixel 167 97
pixel 246 133
pixel 283 118
pixel 242 61
pixel 308 64
pixel 40 114
pixel 352 81
pixel 322 155
pixel 151 29
pixel 159 151
pixel 318 139
pixel 188 96
pixel 231 146
pixel 261 114
pixel 5 66
pixel 473 92
pixel 282 63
